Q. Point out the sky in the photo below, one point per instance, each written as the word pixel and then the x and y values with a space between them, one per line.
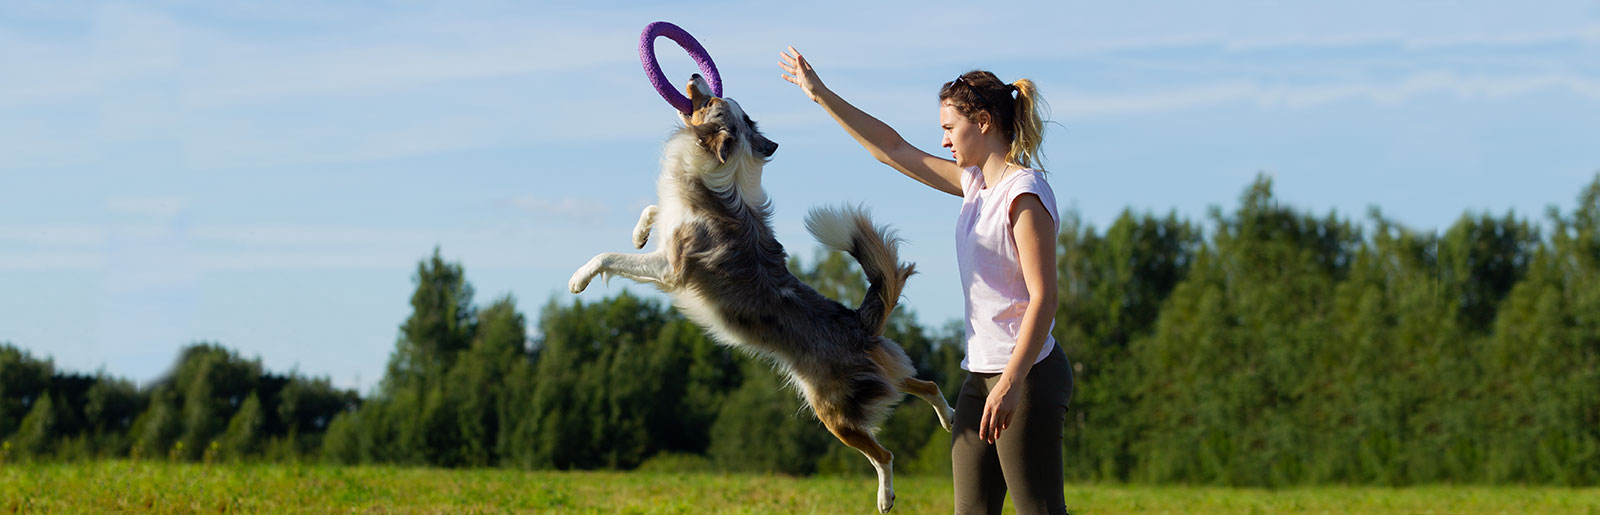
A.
pixel 267 176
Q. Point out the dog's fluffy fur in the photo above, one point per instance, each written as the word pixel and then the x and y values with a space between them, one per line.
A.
pixel 719 261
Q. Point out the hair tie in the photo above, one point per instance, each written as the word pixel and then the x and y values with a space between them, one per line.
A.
pixel 1013 88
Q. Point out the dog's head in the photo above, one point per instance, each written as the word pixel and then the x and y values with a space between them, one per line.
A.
pixel 721 126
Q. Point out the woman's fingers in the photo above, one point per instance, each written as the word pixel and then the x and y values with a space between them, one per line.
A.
pixel 994 420
pixel 794 62
pixel 799 72
pixel 790 66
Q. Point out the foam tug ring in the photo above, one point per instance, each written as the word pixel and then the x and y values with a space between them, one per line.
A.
pixel 652 68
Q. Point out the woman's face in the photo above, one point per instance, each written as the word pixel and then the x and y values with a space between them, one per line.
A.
pixel 963 137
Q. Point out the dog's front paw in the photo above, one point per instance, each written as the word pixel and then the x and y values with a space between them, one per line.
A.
pixel 579 282
pixel 641 235
pixel 885 501
pixel 580 279
pixel 641 231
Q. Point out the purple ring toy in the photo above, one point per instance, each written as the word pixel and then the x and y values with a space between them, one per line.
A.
pixel 652 68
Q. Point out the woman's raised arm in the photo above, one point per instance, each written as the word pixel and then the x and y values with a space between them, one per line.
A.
pixel 877 137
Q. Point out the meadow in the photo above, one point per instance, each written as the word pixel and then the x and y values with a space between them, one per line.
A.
pixel 101 486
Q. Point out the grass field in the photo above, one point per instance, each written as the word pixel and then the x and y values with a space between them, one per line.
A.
pixel 123 486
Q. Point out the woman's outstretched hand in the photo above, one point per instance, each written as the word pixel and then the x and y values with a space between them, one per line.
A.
pixel 797 70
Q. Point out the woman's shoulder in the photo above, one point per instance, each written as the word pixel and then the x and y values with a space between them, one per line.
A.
pixel 1031 181
pixel 1028 179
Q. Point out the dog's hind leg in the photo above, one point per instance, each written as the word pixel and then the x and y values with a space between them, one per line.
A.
pixel 652 267
pixel 641 232
pixel 881 458
pixel 929 391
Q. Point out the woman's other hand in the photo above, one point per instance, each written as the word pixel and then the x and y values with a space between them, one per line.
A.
pixel 798 71
pixel 997 410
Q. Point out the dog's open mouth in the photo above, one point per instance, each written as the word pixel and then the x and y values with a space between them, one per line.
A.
pixel 699 93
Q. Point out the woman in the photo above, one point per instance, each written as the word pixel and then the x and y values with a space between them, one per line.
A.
pixel 1009 414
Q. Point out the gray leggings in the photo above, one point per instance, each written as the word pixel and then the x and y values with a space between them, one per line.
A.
pixel 1026 459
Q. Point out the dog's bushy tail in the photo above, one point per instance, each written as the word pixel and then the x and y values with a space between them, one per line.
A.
pixel 848 229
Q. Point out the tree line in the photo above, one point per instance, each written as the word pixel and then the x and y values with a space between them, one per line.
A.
pixel 1263 347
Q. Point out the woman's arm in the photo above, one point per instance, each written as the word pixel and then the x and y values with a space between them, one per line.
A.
pixel 877 137
pixel 1032 229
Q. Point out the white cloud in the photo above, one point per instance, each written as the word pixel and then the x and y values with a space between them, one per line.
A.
pixel 1301 96
pixel 279 235
pixel 320 84
pixel 233 70
pixel 51 260
pixel 153 207
pixel 129 252
pixel 278 259
pixel 53 235
pixel 209 62
pixel 566 207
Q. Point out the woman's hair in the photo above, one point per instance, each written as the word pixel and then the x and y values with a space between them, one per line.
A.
pixel 1017 117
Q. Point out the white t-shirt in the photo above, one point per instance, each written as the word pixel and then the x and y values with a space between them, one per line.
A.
pixel 991 274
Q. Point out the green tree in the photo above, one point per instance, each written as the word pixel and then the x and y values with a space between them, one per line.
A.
pixel 592 385
pixel 213 382
pixel 342 443
pixel 158 428
pixel 306 408
pixel 692 375
pixel 1541 397
pixel 1368 384
pixel 111 408
pixel 1481 259
pixel 36 438
pixel 23 380
pixel 1226 365
pixel 764 426
pixel 1111 289
pixel 440 325
pixel 243 436
pixel 415 421
pixel 478 383
pixel 517 439
pixel 438 430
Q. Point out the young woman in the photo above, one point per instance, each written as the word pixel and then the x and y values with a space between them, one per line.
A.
pixel 1009 414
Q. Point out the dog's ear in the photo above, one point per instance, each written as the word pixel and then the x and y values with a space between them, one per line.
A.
pixel 763 146
pixel 720 142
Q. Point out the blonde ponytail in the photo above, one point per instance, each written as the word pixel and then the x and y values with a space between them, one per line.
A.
pixel 1027 142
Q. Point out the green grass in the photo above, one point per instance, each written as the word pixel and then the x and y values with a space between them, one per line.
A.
pixel 123 486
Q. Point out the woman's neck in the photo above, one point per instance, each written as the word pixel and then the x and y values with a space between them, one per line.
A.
pixel 995 169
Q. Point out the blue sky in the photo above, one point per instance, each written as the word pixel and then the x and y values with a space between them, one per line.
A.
pixel 267 176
